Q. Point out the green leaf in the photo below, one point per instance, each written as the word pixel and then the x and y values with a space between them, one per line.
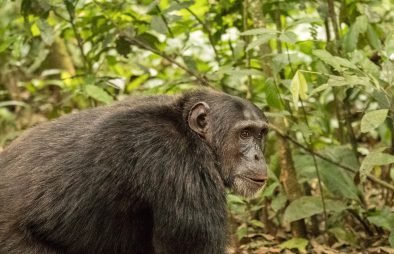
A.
pixel 381 98
pixel 338 182
pixel 147 39
pixel 158 24
pixel 98 93
pixel 343 235
pixel 327 58
pixel 257 223
pixel 373 38
pixel 47 32
pixel 383 218
pixel 308 206
pixel 335 61
pixel 234 199
pixel 5 44
pixel 376 158
pixel 35 30
pixel 178 6
pixel 260 40
pixel 373 119
pixel 298 88
pixel 359 27
pixel 278 202
pixel 272 94
pixel 242 232
pixel 269 190
pixel 288 36
pixel 295 243
pixel 238 72
pixel 259 31
pixel 305 20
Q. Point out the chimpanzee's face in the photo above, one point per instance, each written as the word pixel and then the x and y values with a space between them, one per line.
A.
pixel 237 132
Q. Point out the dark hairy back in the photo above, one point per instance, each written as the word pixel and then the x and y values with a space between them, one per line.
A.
pixel 145 175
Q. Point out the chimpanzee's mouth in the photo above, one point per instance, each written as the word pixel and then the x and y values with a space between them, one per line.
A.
pixel 256 180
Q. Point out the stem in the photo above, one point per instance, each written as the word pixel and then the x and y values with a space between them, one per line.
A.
pixel 77 34
pixel 331 14
pixel 309 142
pixel 348 121
pixel 165 22
pixel 247 54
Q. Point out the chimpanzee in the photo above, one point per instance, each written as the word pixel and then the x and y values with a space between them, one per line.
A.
pixel 145 175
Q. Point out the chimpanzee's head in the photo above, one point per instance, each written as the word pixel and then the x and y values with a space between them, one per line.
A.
pixel 236 130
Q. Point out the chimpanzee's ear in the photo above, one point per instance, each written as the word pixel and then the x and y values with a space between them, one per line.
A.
pixel 198 118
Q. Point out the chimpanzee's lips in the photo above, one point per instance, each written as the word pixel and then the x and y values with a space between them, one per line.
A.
pixel 260 180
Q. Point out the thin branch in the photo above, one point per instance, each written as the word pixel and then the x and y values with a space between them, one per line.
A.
pixel 165 21
pixel 200 78
pixel 369 176
pixel 77 35
pixel 206 30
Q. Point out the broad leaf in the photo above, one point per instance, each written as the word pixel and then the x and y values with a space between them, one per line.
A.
pixel 298 88
pixel 373 38
pixel 47 32
pixel 272 95
pixel 289 37
pixel 335 61
pixel 376 158
pixel 98 93
pixel 158 24
pixel 359 27
pixel 373 119
pixel 308 206
pixel 260 40
pixel 295 243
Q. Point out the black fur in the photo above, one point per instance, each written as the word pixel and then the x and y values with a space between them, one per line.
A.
pixel 127 178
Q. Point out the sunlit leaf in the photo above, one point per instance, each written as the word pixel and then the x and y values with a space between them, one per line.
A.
pixel 298 88
pixel 295 243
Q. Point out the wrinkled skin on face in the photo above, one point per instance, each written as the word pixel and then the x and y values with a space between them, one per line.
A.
pixel 236 130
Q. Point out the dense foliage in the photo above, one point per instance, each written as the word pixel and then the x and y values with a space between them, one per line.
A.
pixel 322 70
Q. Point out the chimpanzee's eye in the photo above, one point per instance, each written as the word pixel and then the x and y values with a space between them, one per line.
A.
pixel 245 133
pixel 263 132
